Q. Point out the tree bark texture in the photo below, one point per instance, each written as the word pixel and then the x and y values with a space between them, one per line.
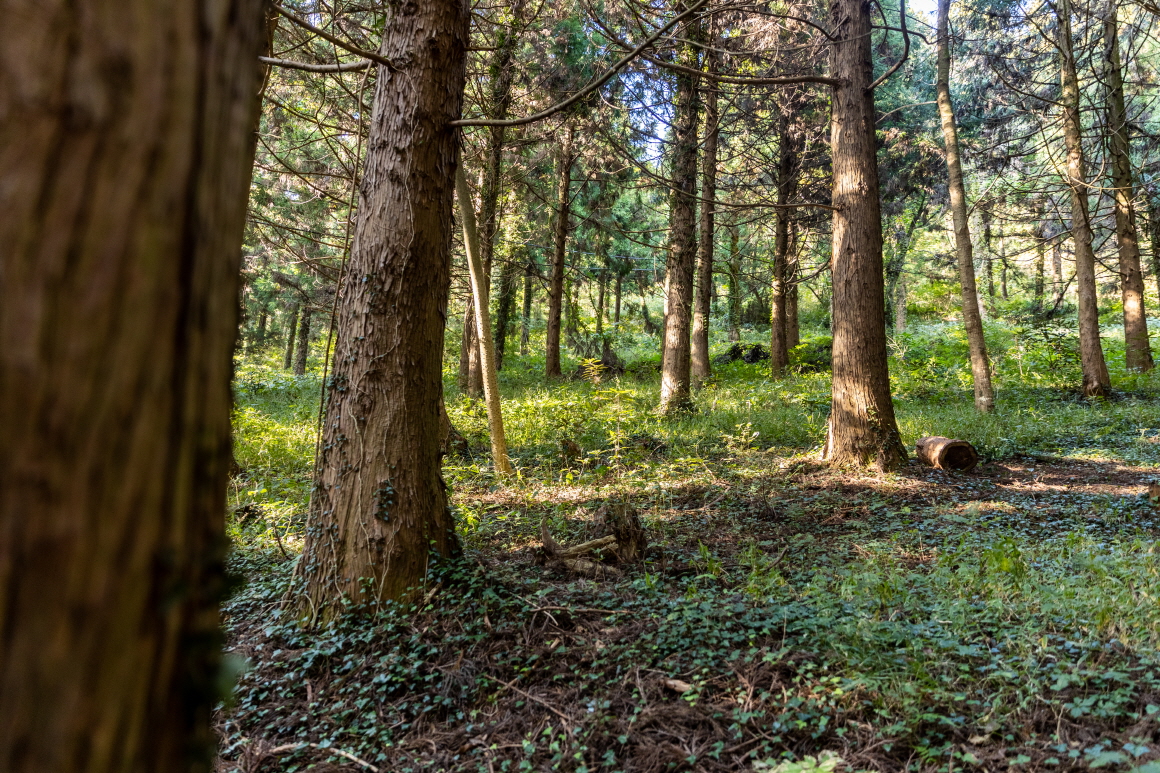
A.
pixel 1137 351
pixel 380 506
pixel 682 253
pixel 699 365
pixel 556 284
pixel 1096 382
pixel 126 144
pixel 862 425
pixel 291 337
pixel 972 319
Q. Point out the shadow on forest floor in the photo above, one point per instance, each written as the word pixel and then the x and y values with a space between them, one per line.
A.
pixel 921 620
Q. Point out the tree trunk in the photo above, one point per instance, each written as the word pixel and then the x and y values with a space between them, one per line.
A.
pixel 126 144
pixel 792 325
pixel 699 365
pixel 900 306
pixel 479 292
pixel 379 509
pixel 1040 265
pixel 467 347
pixel 556 286
pixel 600 280
pixel 675 355
pixel 260 336
pixel 1096 382
pixel 862 426
pixel 1137 352
pixel 526 318
pixel 291 334
pixel 1154 235
pixel 972 319
pixel 787 173
pixel 619 288
pixel 303 342
pixel 734 284
pixel 501 73
pixel 504 307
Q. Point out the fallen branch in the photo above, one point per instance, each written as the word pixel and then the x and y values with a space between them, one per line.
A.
pixel 293 747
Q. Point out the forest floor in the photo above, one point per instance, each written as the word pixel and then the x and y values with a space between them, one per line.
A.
pixel 788 616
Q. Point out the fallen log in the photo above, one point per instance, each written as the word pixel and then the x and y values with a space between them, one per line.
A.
pixel 947 454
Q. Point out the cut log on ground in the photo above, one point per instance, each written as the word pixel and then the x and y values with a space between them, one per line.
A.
pixel 946 454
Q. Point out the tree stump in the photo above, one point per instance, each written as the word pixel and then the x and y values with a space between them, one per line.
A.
pixel 621 521
pixel 946 454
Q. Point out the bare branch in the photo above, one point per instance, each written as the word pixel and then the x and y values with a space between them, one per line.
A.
pixel 607 76
pixel 373 56
pixel 339 67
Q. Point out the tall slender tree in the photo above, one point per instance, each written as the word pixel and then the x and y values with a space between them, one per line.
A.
pixel 1137 351
pixel 700 367
pixel 565 158
pixel 972 319
pixel 1096 382
pixel 682 251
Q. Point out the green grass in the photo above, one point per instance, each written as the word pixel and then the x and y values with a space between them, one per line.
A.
pixel 934 628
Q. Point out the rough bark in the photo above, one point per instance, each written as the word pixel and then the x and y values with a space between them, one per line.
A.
pixel 900 306
pixel 599 308
pixel 380 507
pixel 1096 382
pixel 260 335
pixel 126 143
pixel 291 336
pixel 1137 352
pixel 564 162
pixel 862 427
pixel 479 292
pixel 303 350
pixel 682 253
pixel 972 319
pixel 699 365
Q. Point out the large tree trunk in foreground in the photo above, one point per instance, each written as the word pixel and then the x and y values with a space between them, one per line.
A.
pixel 972 319
pixel 1137 352
pixel 126 143
pixel 699 366
pixel 675 362
pixel 862 426
pixel 556 284
pixel 380 507
pixel 1096 382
